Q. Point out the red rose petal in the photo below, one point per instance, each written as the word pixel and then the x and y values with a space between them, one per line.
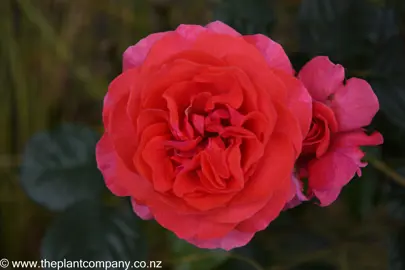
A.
pixel 272 52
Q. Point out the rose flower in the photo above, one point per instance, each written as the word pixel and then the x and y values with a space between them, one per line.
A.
pixel 202 130
pixel 331 154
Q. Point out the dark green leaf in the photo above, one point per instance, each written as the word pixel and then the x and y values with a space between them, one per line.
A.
pixel 315 266
pixel 249 256
pixel 189 257
pixel 323 27
pixel 390 60
pixel 395 195
pixel 391 95
pixel 361 193
pixel 90 231
pixel 396 250
pixel 59 167
pixel 344 30
pixel 248 17
pixel 388 80
pixel 293 237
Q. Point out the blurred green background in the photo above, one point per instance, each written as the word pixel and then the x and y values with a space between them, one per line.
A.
pixel 57 58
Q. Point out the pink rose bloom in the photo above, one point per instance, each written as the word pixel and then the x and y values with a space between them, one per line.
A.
pixel 331 154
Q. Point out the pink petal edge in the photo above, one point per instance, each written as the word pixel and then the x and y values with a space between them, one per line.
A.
pixel 329 174
pixel 141 210
pixel 233 239
pixel 354 104
pixel 222 28
pixel 321 77
pixel 272 51
pixel 136 54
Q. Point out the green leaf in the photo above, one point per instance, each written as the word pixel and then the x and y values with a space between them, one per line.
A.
pixel 396 250
pixel 395 195
pixel 189 257
pixel 389 61
pixel 361 193
pixel 93 232
pixel 391 95
pixel 59 167
pixel 316 265
pixel 247 17
pixel 388 80
pixel 253 256
pixel 344 30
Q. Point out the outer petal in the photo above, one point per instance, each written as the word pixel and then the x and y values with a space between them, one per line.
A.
pixel 299 101
pixel 136 54
pixel 106 161
pixel 267 214
pixel 328 196
pixel 232 240
pixel 298 196
pixel 190 32
pixel 354 104
pixel 321 77
pixel 120 180
pixel 141 210
pixel 221 28
pixel 335 169
pixel 118 89
pixel 272 52
pixel 189 226
pixel 116 120
pixel 357 138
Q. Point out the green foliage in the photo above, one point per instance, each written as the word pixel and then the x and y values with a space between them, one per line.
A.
pixel 396 250
pixel 395 199
pixel 189 257
pixel 388 81
pixel 59 167
pixel 315 266
pixel 248 17
pixel 362 194
pixel 94 232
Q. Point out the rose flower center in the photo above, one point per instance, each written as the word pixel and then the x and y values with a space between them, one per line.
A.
pixel 211 148
pixel 323 126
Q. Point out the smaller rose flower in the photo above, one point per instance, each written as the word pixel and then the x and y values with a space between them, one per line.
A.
pixel 331 154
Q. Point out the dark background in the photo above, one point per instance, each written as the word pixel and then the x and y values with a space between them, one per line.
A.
pixel 57 58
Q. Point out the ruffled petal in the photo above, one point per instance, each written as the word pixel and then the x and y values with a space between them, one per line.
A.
pixel 190 226
pixel 336 168
pixel 272 51
pixel 233 239
pixel 321 77
pixel 354 104
pixel 106 161
pixel 136 54
pixel 141 210
pixel 299 101
pixel 221 28
pixel 118 178
pixel 267 214
pixel 190 31
pixel 298 196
